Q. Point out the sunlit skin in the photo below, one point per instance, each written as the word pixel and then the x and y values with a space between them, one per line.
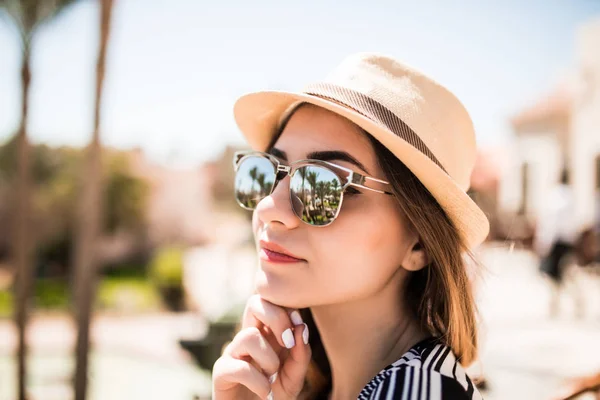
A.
pixel 354 257
pixel 354 269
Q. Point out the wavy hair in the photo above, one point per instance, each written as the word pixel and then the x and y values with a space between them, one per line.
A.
pixel 440 296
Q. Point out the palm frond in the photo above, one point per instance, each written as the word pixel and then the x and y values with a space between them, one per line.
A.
pixel 28 15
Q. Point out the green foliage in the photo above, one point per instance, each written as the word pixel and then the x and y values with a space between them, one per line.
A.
pixel 51 294
pixel 114 294
pixel 135 269
pixel 166 268
pixel 6 303
pixel 45 161
pixel 127 294
pixel 56 178
pixel 28 15
pixel 124 196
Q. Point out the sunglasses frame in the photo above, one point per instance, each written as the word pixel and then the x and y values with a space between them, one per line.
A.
pixel 346 176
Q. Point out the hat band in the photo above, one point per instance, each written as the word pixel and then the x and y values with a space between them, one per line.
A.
pixel 373 110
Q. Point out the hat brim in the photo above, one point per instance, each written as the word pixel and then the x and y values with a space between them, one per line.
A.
pixel 259 114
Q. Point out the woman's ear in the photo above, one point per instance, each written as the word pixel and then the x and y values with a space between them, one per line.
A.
pixel 416 257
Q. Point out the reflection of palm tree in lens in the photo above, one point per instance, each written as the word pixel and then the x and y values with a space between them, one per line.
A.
pixel 261 183
pixel 335 186
pixel 327 188
pixel 321 191
pixel 253 174
pixel 268 187
pixel 328 194
pixel 311 177
pixel 303 172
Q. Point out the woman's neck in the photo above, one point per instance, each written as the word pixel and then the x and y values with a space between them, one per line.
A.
pixel 364 336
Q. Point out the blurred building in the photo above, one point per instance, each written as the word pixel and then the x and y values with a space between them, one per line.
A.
pixel 192 206
pixel 561 130
pixel 485 181
pixel 179 203
pixel 230 223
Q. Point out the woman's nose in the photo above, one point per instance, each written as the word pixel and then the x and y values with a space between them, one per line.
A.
pixel 276 208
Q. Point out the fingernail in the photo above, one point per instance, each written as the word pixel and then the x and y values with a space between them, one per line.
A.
pixel 272 378
pixel 270 395
pixel 305 334
pixel 296 318
pixel 288 338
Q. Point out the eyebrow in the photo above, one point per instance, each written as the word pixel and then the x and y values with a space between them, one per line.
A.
pixel 330 155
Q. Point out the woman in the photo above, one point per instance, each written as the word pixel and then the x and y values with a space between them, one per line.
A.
pixel 362 223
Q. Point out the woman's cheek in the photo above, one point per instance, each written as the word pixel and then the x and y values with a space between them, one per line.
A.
pixel 374 233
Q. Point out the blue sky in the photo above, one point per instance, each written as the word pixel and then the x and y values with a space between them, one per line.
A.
pixel 175 67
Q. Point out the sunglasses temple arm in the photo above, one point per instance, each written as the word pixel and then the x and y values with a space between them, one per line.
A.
pixel 380 185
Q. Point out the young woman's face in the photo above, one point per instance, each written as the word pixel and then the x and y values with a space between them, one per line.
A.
pixel 359 253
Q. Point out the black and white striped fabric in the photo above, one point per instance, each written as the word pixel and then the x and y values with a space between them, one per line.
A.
pixel 428 371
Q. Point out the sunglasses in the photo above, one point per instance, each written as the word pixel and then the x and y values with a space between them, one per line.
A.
pixel 316 187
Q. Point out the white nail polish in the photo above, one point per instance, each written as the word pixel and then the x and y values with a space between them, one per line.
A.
pixel 270 395
pixel 305 334
pixel 288 338
pixel 296 318
pixel 272 378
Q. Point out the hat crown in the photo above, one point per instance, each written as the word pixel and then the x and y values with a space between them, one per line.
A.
pixel 429 109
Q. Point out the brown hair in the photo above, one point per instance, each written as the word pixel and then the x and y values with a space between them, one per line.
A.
pixel 439 296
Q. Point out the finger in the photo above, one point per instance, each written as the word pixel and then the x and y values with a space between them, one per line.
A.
pixel 232 372
pixel 259 311
pixel 294 368
pixel 249 342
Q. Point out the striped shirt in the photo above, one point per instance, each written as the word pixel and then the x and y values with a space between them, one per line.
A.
pixel 428 371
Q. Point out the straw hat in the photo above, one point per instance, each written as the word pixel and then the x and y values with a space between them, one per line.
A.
pixel 416 118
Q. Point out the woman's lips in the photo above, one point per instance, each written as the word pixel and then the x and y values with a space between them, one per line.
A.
pixel 273 256
pixel 271 251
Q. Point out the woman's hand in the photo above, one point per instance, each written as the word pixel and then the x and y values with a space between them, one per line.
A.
pixel 268 358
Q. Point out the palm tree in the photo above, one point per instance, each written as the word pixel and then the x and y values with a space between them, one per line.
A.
pixel 311 177
pixel 328 188
pixel 254 175
pixel 89 220
pixel 335 184
pixel 303 172
pixel 321 192
pixel 268 186
pixel 261 183
pixel 28 16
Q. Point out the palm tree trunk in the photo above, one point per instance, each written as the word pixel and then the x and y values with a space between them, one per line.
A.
pixel 23 239
pixel 303 189
pixel 89 221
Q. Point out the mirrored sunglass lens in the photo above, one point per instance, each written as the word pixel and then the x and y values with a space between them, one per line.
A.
pixel 253 181
pixel 316 193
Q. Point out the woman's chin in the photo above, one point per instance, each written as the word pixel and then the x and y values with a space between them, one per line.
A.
pixel 278 291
